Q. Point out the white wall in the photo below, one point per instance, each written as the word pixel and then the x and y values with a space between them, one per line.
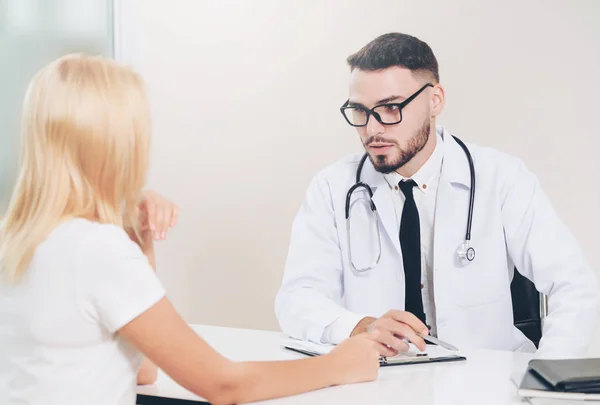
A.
pixel 246 96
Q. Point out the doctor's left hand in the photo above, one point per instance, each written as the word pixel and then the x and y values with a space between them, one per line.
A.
pixel 157 214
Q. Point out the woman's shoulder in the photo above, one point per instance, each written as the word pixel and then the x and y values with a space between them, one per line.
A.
pixel 90 236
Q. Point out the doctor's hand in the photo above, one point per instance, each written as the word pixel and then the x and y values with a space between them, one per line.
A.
pixel 356 359
pixel 157 214
pixel 392 329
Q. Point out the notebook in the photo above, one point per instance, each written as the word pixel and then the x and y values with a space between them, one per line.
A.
pixel 569 375
pixel 433 354
pixel 532 385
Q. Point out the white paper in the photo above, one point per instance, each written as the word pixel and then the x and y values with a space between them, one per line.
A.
pixel 433 351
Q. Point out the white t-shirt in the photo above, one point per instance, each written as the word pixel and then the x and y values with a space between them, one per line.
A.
pixel 58 340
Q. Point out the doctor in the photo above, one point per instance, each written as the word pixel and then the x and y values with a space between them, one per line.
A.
pixel 408 266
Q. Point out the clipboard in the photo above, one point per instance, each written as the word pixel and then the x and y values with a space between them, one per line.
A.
pixel 393 361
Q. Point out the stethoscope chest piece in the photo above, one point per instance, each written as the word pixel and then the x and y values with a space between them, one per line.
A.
pixel 466 253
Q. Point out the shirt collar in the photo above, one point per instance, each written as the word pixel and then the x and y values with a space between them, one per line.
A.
pixel 427 173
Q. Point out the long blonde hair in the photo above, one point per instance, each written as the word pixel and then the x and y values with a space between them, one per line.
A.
pixel 85 146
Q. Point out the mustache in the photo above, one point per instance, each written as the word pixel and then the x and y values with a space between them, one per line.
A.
pixel 373 139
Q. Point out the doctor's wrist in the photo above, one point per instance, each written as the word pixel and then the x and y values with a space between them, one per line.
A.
pixel 363 325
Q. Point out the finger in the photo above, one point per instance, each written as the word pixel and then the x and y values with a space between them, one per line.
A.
pixel 382 348
pixel 165 220
pixel 409 319
pixel 399 331
pixel 402 330
pixel 175 216
pixel 392 342
pixel 150 207
pixel 161 221
pixel 168 211
pixel 143 217
pixel 385 351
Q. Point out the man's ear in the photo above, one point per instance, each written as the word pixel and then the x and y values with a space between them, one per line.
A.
pixel 438 100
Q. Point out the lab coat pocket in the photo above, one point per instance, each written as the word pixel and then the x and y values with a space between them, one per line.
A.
pixel 485 279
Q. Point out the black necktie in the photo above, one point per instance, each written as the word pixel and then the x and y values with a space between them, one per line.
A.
pixel 410 242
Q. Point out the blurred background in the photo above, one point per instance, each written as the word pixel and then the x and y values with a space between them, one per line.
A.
pixel 32 33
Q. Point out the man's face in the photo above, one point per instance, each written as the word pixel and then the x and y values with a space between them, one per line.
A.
pixel 391 146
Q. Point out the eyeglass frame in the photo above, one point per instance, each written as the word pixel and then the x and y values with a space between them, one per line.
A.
pixel 371 111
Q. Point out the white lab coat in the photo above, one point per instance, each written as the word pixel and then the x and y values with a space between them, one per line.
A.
pixel 514 224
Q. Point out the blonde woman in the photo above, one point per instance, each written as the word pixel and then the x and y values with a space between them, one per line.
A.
pixel 79 301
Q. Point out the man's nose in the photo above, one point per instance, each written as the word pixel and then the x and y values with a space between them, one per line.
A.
pixel 374 127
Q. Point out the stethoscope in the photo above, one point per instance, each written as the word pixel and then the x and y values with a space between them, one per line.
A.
pixel 465 252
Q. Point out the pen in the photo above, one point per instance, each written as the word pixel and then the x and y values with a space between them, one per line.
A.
pixel 438 342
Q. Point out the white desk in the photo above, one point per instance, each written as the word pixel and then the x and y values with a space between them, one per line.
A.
pixel 483 379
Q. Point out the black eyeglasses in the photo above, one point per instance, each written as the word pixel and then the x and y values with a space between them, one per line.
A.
pixel 386 114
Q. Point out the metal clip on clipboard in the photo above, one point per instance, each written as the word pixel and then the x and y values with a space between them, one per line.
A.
pixel 420 359
pixel 404 359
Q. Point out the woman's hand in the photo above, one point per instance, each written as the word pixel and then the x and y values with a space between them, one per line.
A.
pixel 157 214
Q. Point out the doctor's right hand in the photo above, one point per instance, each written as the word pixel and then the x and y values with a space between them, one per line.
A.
pixel 392 330
pixel 356 359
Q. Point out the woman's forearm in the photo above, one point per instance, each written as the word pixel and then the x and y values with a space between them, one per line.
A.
pixel 255 381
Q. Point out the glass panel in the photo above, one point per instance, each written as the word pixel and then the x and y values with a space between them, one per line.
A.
pixel 32 33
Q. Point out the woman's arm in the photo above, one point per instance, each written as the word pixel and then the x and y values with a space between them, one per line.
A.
pixel 169 343
pixel 148 372
pixel 162 336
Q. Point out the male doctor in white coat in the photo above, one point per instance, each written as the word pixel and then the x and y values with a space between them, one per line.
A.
pixel 420 179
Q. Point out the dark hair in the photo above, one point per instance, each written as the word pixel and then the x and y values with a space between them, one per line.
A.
pixel 396 49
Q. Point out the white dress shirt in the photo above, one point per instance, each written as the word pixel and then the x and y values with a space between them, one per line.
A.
pixel 427 179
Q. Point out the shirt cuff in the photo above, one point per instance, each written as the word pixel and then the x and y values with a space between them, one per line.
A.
pixel 340 329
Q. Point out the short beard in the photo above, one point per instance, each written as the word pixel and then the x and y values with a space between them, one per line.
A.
pixel 415 145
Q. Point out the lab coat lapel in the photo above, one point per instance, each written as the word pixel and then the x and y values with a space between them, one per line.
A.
pixel 444 216
pixel 385 208
pixel 454 179
pixel 382 197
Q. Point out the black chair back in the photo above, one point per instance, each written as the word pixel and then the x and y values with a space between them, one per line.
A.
pixel 526 307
